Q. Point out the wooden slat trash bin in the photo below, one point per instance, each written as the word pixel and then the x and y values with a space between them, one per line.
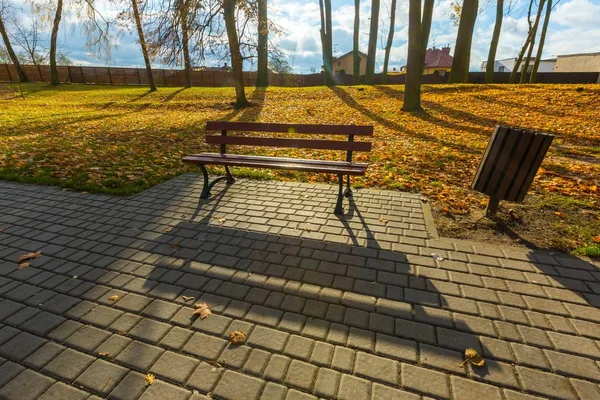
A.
pixel 509 164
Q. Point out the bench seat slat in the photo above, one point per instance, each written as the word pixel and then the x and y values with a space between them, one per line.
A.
pixel 358 130
pixel 334 167
pixel 289 143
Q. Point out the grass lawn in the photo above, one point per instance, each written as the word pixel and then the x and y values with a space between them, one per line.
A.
pixel 124 139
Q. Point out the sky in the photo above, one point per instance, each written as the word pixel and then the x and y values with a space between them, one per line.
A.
pixel 574 28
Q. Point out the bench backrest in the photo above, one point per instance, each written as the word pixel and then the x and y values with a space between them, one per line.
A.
pixel 305 129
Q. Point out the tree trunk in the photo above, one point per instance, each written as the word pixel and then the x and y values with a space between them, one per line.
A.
pixel 54 80
pixel 491 60
pixel 356 56
pixel 372 42
pixel 425 30
pixel 184 15
pixel 237 63
pixel 390 39
pixel 515 70
pixel 262 75
pixel 327 41
pixel 138 24
pixel 412 85
pixel 536 64
pixel 462 52
pixel 525 68
pixel 11 52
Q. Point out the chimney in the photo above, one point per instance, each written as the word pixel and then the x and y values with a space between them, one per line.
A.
pixel 446 50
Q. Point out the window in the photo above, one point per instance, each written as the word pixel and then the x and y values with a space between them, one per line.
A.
pixel 501 68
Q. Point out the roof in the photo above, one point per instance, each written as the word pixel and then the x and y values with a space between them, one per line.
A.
pixel 350 53
pixel 442 60
pixel 579 54
pixel 531 59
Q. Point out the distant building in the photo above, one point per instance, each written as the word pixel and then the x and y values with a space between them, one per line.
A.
pixel 586 62
pixel 344 64
pixel 437 61
pixel 508 64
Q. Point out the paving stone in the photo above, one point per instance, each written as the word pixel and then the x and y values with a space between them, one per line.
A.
pixel 530 356
pixel 60 391
pixel 149 330
pixel 42 323
pixel 235 386
pixel 264 315
pixel 269 339
pixel 8 370
pixel 21 346
pixel 101 316
pixel 276 368
pixel 273 391
pixel 216 324
pixel 376 368
pixel 161 390
pixel 439 358
pixel 299 347
pixel 65 330
pixel 68 365
pixel 256 362
pixel 415 330
pixel 574 344
pixel 8 332
pixel 352 388
pixel 457 340
pixel 140 356
pixel 87 338
pixel 322 354
pixel 174 367
pixel 498 349
pixel 545 384
pixel 496 372
pixel 578 367
pixel 113 346
pixel 101 377
pixel 425 381
pixel 394 308
pixel 301 375
pixel 381 392
pixel 176 338
pixel 585 390
pixel 160 309
pixel 130 387
pixel 326 384
pixel 343 359
pixel 43 355
pixel 234 356
pixel 27 385
pixel 469 390
pixel 204 378
pixel 316 328
pixel 361 339
pixel 390 346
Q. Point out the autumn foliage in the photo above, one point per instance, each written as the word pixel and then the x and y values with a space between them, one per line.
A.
pixel 122 140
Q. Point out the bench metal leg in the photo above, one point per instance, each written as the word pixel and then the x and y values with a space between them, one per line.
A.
pixel 339 210
pixel 207 186
pixel 348 190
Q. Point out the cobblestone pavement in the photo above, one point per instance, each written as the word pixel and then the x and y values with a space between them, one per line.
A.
pixel 353 308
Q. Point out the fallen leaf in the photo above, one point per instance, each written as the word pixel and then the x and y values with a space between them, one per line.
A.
pixel 103 354
pixel 237 337
pixel 114 297
pixel 1 229
pixel 202 310
pixel 558 213
pixel 214 364
pixel 187 298
pixel 24 265
pixel 437 257
pixel 29 256
pixel 385 221
pixel 150 379
pixel 473 357
pixel 597 239
pixel 220 219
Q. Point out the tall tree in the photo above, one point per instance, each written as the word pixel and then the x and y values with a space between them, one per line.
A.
pixel 525 69
pixel 371 54
pixel 327 41
pixel 464 38
pixel 515 71
pixel 491 60
pixel 262 75
pixel 184 15
pixel 229 7
pixel 536 64
pixel 141 37
pixel 418 37
pixel 9 49
pixel 355 54
pixel 390 39
pixel 54 79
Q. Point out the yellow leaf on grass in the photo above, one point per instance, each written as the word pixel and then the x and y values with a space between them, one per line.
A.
pixel 237 337
pixel 150 379
pixel 29 256
pixel 202 310
pixel 558 213
pixel 114 297
pixel 24 265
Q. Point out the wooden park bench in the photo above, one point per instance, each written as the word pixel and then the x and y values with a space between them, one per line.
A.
pixel 340 168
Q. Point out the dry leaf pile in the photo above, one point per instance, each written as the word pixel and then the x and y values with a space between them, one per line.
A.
pixel 202 310
pixel 237 337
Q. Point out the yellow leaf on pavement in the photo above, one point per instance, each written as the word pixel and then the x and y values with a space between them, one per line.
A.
pixel 29 256
pixel 202 310
pixel 150 379
pixel 114 297
pixel 237 337
pixel 24 265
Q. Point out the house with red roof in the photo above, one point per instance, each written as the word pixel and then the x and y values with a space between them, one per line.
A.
pixel 437 61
